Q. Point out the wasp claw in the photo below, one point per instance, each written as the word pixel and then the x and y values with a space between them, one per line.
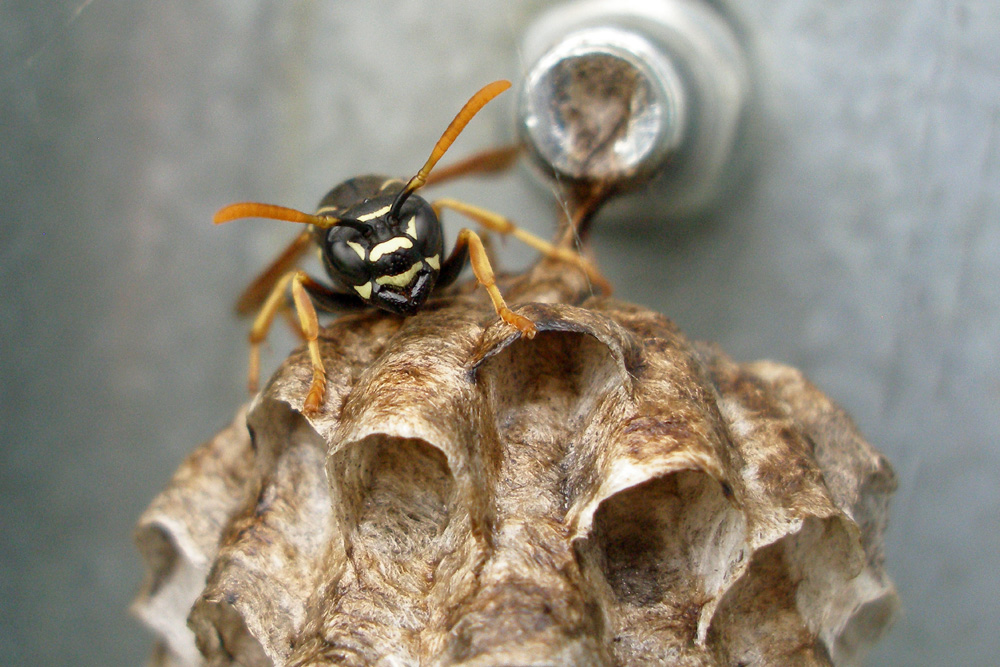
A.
pixel 317 394
pixel 519 322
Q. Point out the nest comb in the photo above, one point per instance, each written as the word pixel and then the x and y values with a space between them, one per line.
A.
pixel 608 493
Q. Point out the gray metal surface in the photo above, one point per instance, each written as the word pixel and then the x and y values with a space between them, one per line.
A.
pixel 863 248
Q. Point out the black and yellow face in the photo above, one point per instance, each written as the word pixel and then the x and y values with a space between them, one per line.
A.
pixel 389 261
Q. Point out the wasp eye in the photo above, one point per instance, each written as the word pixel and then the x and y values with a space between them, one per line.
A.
pixel 346 255
pixel 422 224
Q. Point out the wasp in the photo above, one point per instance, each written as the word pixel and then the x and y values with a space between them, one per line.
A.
pixel 383 246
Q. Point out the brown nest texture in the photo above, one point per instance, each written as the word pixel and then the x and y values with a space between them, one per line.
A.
pixel 607 493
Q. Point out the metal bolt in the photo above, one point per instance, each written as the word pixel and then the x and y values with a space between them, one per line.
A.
pixel 627 93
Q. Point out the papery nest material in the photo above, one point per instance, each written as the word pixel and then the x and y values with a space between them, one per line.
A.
pixel 608 493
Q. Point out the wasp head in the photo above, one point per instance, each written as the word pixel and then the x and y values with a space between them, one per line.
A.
pixel 390 259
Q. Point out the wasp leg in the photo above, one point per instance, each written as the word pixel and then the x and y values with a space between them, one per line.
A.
pixel 470 245
pixel 257 291
pixel 498 223
pixel 323 298
pixel 292 322
pixel 486 162
pixel 308 324
pixel 310 327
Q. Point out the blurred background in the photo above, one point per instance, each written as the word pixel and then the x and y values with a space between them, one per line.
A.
pixel 862 246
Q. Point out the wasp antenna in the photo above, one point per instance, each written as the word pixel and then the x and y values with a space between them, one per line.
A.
pixel 250 209
pixel 458 123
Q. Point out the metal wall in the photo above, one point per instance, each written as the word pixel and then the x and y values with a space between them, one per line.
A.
pixel 862 247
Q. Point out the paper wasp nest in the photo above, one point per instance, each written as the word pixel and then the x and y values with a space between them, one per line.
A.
pixel 608 493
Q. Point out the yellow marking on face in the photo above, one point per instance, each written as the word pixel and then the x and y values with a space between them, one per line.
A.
pixel 434 262
pixel 358 248
pixel 393 244
pixel 400 279
pixel 411 227
pixel 374 214
pixel 364 290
